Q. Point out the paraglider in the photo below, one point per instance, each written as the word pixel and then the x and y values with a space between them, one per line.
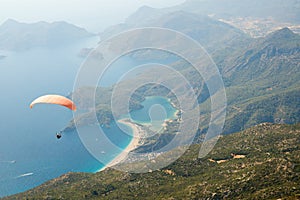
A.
pixel 55 99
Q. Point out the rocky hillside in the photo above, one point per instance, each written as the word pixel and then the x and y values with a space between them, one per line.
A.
pixel 262 81
pixel 262 162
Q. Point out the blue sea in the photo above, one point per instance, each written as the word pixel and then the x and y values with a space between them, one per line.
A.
pixel 30 154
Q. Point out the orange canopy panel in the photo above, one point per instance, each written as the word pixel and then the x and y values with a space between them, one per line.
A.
pixel 54 99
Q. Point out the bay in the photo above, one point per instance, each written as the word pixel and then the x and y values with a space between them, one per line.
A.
pixel 30 154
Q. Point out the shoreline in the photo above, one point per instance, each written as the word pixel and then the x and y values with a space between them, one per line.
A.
pixel 134 143
pixel 138 133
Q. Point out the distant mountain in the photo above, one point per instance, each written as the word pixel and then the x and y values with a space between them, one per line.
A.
pixel 203 29
pixel 20 36
pixel 262 162
pixel 279 10
pixel 256 18
pixel 208 31
pixel 274 59
pixel 140 18
pixel 144 15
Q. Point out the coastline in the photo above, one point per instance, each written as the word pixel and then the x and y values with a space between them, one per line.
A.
pixel 134 143
pixel 138 133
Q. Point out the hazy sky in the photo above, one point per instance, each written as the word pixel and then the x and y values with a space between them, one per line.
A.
pixel 93 15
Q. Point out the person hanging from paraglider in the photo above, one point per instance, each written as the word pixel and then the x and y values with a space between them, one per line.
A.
pixel 55 99
pixel 58 134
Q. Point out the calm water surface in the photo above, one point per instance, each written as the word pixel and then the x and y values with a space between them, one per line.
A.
pixel 30 154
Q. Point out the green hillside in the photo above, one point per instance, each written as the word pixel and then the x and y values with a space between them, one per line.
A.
pixel 261 79
pixel 269 169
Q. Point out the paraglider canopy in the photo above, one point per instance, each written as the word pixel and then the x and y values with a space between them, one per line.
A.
pixel 55 99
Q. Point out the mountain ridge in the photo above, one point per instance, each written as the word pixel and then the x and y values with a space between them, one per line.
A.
pixel 193 25
pixel 18 36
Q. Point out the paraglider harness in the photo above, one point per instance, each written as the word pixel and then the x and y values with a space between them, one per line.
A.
pixel 58 135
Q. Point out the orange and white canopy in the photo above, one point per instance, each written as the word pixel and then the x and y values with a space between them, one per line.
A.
pixel 54 99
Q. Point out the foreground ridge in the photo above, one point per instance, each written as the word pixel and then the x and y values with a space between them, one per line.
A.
pixel 268 167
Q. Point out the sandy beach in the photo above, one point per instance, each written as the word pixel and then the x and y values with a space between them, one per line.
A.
pixel 135 142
